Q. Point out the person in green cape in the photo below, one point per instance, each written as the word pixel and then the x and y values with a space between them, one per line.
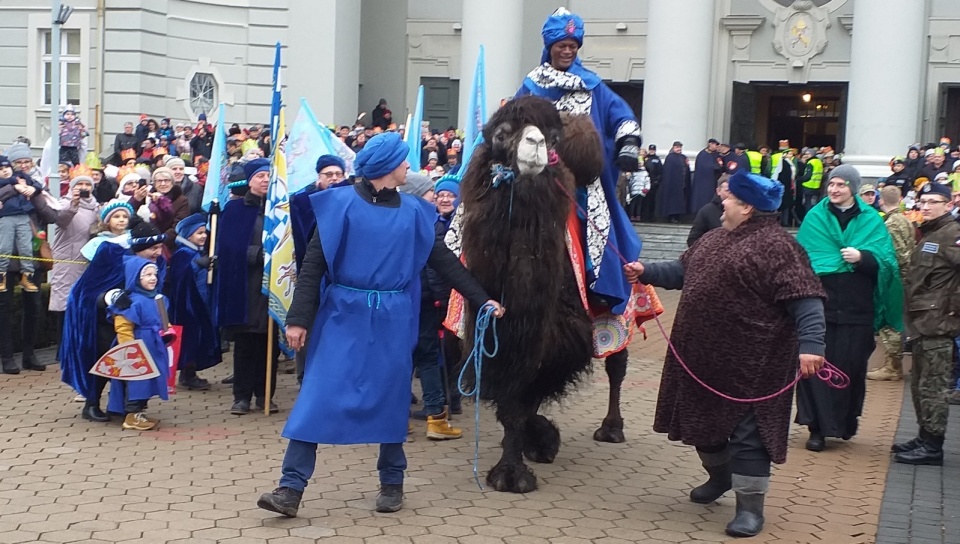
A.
pixel 852 253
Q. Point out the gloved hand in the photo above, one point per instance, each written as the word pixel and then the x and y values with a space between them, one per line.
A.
pixel 628 157
pixel 206 262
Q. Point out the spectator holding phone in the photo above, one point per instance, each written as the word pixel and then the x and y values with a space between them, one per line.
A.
pixel 79 212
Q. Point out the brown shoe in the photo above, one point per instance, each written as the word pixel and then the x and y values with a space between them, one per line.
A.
pixel 138 422
pixel 438 428
pixel 26 281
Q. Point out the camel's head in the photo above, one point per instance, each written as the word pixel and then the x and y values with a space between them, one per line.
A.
pixel 522 133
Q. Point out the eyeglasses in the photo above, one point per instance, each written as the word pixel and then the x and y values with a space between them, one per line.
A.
pixel 931 202
pixel 446 197
pixel 332 175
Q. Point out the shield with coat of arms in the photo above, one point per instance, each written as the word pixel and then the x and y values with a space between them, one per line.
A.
pixel 130 361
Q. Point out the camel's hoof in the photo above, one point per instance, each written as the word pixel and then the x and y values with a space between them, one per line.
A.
pixel 512 478
pixel 609 432
pixel 541 440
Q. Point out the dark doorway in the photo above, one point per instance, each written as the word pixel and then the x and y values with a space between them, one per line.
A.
pixel 632 93
pixel 811 115
pixel 949 124
pixel 441 97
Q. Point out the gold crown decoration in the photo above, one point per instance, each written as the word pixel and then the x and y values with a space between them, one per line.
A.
pixel 128 154
pixel 81 170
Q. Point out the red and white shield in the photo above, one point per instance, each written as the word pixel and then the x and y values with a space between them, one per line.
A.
pixel 130 361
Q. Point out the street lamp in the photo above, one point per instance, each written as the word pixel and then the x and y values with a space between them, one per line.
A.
pixel 59 13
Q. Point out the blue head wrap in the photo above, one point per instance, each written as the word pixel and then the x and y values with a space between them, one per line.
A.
pixel 758 191
pixel 330 160
pixel 560 26
pixel 189 225
pixel 382 155
pixel 255 166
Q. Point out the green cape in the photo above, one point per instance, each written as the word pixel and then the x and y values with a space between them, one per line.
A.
pixel 821 236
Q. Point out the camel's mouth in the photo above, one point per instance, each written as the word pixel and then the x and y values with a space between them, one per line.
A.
pixel 532 155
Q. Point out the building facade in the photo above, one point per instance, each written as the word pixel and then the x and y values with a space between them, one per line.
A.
pixel 868 77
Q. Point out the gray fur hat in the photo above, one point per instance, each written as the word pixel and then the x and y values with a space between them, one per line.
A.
pixel 417 184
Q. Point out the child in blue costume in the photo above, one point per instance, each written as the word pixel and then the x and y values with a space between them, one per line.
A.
pixel 370 247
pixel 136 317
pixel 190 304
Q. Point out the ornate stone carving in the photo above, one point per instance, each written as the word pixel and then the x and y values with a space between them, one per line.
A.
pixel 741 28
pixel 800 32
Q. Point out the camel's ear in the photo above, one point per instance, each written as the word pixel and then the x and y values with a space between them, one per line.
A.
pixel 581 149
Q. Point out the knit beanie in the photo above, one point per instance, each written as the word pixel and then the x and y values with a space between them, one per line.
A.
pixel 18 151
pixel 417 184
pixel 849 174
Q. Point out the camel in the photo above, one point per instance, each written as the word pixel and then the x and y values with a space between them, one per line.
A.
pixel 514 231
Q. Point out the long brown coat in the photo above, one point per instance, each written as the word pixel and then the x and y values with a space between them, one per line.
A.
pixel 733 331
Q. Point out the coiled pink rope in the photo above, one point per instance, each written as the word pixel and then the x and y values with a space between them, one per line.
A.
pixel 829 374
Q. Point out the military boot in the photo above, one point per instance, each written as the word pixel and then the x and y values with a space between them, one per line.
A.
pixel 929 452
pixel 438 428
pixel 885 373
pixel 750 491
pixel 718 467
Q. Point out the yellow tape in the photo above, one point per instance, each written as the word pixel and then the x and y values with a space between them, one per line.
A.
pixel 42 259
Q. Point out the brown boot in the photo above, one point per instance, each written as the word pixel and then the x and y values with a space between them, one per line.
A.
pixel 26 281
pixel 438 428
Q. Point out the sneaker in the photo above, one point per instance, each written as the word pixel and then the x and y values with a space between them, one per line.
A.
pixel 273 406
pixel 438 428
pixel 953 397
pixel 884 374
pixel 390 498
pixel 26 281
pixel 138 422
pixel 282 500
pixel 240 408
pixel 79 398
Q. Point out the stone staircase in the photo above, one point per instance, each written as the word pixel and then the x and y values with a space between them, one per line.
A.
pixel 662 241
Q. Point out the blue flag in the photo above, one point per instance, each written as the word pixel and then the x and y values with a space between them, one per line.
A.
pixel 218 174
pixel 276 102
pixel 412 136
pixel 304 146
pixel 477 114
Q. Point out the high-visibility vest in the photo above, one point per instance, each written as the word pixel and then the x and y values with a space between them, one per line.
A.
pixel 776 163
pixel 817 177
pixel 756 159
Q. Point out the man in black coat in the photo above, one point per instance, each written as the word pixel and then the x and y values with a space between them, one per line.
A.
pixel 654 168
pixel 708 217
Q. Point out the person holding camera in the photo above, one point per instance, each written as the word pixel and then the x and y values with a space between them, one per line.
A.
pixel 79 212
pixel 168 206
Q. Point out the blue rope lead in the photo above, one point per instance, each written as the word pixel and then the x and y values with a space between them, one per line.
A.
pixel 477 354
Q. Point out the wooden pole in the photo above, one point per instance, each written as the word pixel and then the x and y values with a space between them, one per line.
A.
pixel 269 380
pixel 212 239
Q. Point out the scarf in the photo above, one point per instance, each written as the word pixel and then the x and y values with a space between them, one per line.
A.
pixel 547 82
pixel 821 237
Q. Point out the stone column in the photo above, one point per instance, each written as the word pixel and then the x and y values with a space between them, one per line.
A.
pixel 676 88
pixel 498 25
pixel 883 112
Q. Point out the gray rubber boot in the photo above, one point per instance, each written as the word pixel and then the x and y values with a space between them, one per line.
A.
pixel 750 491
pixel 718 467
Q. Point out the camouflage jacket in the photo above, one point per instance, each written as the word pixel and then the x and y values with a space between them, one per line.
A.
pixel 932 286
pixel 903 233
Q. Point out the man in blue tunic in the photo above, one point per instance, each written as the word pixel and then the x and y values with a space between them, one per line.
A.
pixel 370 246
pixel 562 79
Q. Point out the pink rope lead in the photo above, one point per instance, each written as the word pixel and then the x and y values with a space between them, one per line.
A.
pixel 829 374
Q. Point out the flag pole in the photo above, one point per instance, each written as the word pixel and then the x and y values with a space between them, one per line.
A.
pixel 212 239
pixel 269 381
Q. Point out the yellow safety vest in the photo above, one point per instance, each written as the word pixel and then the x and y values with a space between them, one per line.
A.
pixel 817 177
pixel 756 160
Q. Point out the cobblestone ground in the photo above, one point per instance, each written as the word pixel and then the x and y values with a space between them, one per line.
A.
pixel 197 479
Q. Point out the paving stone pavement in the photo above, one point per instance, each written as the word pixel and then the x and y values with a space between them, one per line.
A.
pixel 197 479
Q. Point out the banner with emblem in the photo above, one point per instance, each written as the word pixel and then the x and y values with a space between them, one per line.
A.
pixel 130 361
pixel 279 267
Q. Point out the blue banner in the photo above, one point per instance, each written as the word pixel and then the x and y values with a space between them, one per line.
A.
pixel 477 114
pixel 412 136
pixel 218 174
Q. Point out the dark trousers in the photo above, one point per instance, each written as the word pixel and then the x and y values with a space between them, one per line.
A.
pixel 426 359
pixel 99 383
pixel 635 208
pixel 250 366
pixel 300 460
pixel 453 361
pixel 28 326
pixel 748 455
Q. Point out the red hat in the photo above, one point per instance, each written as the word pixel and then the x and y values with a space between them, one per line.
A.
pixel 143 116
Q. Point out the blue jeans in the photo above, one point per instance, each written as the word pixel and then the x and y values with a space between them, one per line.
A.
pixel 301 459
pixel 16 233
pixel 426 359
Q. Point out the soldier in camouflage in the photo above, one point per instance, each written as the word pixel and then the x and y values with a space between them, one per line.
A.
pixel 932 301
pixel 902 231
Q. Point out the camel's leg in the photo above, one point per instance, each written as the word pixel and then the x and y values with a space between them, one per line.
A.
pixel 611 430
pixel 510 473
pixel 541 439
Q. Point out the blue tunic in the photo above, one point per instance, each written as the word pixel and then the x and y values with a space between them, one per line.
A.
pixel 609 114
pixel 190 307
pixel 356 388
pixel 143 313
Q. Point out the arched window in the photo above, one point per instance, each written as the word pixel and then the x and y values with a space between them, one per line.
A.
pixel 203 93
